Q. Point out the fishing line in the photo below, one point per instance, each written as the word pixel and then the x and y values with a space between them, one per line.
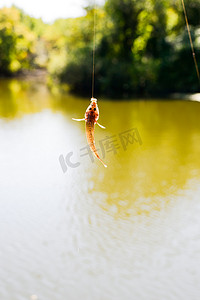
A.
pixel 191 43
pixel 94 42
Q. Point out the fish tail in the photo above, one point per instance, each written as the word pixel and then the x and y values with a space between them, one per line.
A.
pixel 97 155
pixel 91 141
pixel 94 150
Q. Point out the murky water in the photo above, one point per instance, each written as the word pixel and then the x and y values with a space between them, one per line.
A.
pixel 71 229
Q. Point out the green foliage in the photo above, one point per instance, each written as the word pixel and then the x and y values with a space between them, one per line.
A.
pixel 77 72
pixel 19 36
pixel 7 44
pixel 142 47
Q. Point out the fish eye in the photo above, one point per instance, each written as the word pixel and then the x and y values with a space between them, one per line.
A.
pixel 95 108
pixel 90 108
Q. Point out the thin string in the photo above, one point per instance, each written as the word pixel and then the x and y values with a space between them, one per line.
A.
pixel 191 43
pixel 94 42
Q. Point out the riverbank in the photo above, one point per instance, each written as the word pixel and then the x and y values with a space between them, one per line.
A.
pixel 192 97
pixel 35 75
pixel 41 75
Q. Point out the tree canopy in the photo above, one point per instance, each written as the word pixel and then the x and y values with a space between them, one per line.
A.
pixel 142 47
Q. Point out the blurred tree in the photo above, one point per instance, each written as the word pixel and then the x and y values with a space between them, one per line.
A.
pixel 77 71
pixel 7 46
pixel 19 35
pixel 142 47
pixel 139 50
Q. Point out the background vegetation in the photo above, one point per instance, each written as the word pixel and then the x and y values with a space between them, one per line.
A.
pixel 142 47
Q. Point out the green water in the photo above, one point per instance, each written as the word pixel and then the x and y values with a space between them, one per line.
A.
pixel 109 222
pixel 162 163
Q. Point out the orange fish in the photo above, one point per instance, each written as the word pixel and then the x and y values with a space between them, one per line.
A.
pixel 91 118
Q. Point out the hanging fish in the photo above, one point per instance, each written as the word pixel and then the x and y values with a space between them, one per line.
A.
pixel 91 118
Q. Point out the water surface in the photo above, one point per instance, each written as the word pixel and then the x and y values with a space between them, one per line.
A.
pixel 130 231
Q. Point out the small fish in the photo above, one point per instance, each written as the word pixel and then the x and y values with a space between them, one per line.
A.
pixel 91 118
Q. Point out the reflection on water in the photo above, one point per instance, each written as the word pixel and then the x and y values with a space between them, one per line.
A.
pixel 91 232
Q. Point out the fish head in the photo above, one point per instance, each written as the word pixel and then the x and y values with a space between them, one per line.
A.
pixel 93 110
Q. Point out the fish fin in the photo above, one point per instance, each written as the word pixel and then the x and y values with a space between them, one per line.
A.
pixel 101 126
pixel 78 119
pixel 101 161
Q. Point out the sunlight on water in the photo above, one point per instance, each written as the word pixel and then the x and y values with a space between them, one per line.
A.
pixel 87 232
